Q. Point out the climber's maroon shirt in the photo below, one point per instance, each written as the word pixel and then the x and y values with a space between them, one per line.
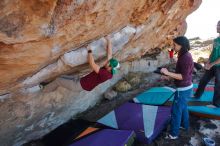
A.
pixel 93 79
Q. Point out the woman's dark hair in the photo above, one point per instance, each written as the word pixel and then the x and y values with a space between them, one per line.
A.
pixel 184 43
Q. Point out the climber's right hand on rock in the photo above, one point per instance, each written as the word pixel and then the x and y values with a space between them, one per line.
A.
pixel 107 38
pixel 88 47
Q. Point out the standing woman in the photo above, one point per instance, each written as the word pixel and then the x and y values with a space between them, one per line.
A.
pixel 183 82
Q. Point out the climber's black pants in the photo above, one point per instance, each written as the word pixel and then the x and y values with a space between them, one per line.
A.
pixel 209 74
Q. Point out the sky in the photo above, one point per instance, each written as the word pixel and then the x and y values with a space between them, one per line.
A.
pixel 202 22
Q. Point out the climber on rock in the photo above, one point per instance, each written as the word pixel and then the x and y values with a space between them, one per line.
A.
pixel 91 80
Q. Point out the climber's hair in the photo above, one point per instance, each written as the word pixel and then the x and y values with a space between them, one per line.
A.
pixel 183 42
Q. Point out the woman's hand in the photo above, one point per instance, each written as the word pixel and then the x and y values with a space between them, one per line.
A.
pixel 208 66
pixel 165 78
pixel 164 71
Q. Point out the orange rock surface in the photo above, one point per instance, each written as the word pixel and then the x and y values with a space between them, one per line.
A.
pixel 36 33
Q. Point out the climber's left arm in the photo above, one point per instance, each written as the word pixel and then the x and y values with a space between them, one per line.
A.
pixel 91 61
pixel 108 48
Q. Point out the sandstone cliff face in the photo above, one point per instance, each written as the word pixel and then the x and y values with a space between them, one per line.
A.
pixel 42 39
pixel 36 34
